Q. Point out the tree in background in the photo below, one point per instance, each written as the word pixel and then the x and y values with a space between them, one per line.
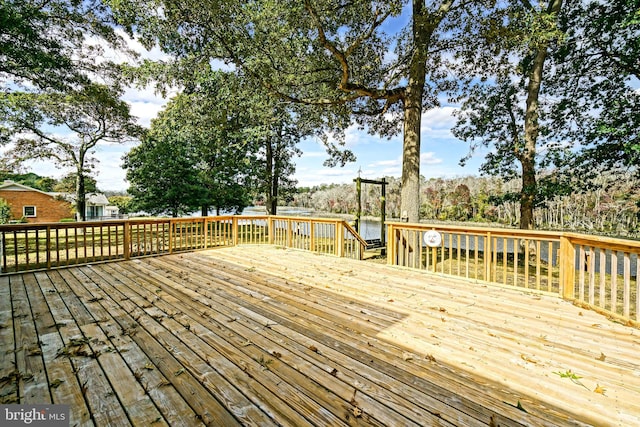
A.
pixel 67 184
pixel 162 176
pixel 93 114
pixel 503 107
pixel 241 141
pixel 195 157
pixel 379 62
pixel 547 79
pixel 124 203
pixel 5 211
pixel 30 179
pixel 597 74
pixel 216 115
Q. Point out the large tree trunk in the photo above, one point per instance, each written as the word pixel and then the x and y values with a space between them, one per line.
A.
pixel 410 191
pixel 528 193
pixel 531 131
pixel 271 185
pixel 81 204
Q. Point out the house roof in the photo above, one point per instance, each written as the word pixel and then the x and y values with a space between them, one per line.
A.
pixel 95 199
pixel 14 186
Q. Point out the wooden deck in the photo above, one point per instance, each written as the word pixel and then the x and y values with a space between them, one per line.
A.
pixel 257 335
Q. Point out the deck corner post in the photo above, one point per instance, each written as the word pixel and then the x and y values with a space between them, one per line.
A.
pixel 567 268
pixel 339 242
pixel 289 233
pixel 126 239
pixel 234 234
pixel 391 247
pixel 271 229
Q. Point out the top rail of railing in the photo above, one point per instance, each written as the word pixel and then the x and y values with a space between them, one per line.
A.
pixel 598 272
pixel 26 247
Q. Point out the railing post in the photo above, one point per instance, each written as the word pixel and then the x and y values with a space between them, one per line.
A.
pixel 289 233
pixel 235 230
pixel 271 229
pixel 171 233
pixel 339 239
pixel 567 268
pixel 487 257
pixel 312 238
pixel 126 239
pixel 390 244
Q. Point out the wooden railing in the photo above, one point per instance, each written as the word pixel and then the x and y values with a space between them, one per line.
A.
pixel 596 272
pixel 43 246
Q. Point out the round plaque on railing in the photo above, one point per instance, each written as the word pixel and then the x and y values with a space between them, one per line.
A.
pixel 432 238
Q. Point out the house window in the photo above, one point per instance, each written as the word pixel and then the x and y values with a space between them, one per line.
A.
pixel 94 211
pixel 29 211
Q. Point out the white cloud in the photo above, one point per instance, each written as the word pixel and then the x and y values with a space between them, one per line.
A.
pixel 145 111
pixel 429 158
pixel 438 118
pixel 313 154
pixel 380 163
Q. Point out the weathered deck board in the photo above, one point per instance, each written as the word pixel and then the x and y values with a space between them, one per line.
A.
pixel 264 336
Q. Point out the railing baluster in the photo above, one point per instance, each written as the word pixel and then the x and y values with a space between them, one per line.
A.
pixel 592 275
pixel 614 281
pixel 537 255
pixel 549 266
pixel 627 285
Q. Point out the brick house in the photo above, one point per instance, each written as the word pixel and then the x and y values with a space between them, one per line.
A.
pixel 34 205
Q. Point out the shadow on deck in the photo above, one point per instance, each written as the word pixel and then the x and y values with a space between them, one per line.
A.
pixel 264 336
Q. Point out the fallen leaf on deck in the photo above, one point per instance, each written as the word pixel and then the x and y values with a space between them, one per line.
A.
pixel 600 390
pixel 313 348
pixel 407 356
pixel 56 383
pixel 602 357
pixel 357 412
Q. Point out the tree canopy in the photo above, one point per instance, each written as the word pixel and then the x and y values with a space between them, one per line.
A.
pixel 238 141
pixel 378 63
pixel 53 44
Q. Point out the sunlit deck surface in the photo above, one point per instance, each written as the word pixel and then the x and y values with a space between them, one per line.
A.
pixel 256 335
